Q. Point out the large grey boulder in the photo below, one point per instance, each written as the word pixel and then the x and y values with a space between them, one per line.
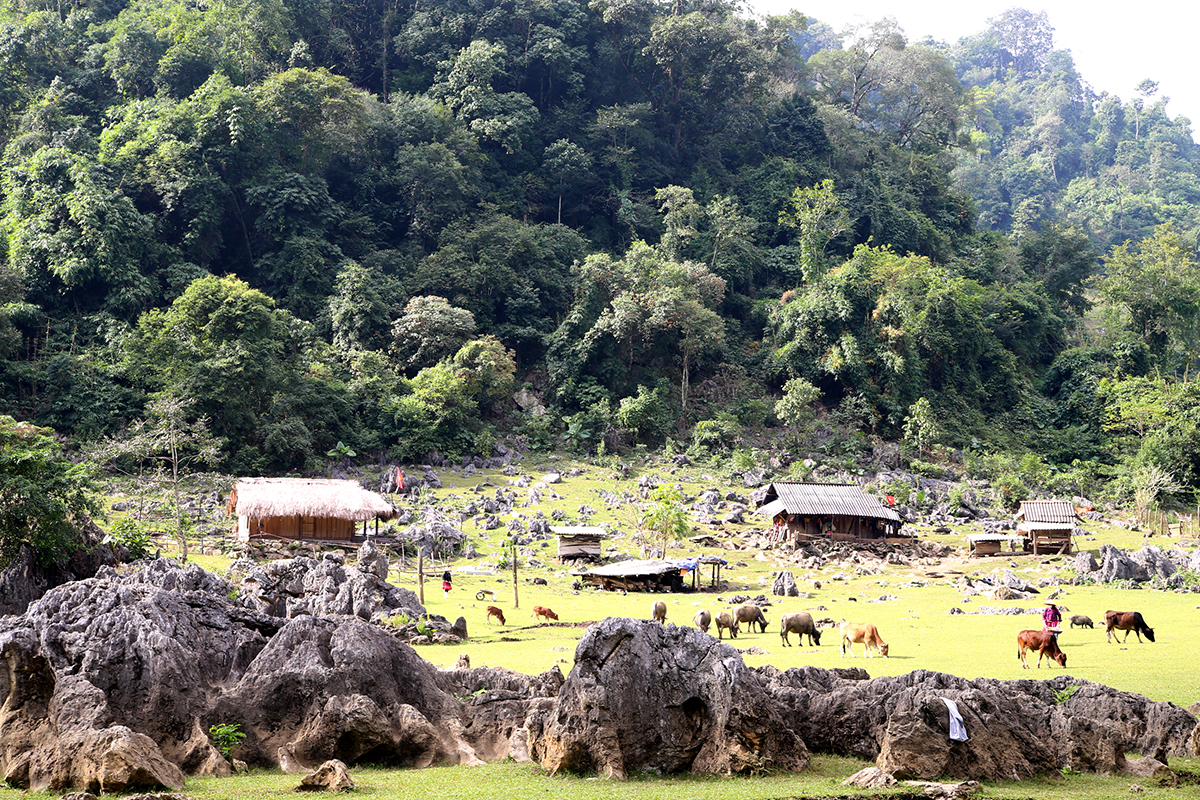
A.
pixel 1154 561
pixel 1116 565
pixel 372 560
pixel 665 699
pixel 1085 563
pixel 785 585
pixel 1016 728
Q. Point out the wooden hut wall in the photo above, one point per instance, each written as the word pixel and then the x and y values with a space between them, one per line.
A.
pixel 301 527
pixel 857 527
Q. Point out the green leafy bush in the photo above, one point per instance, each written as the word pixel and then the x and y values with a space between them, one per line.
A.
pixel 225 737
pixel 134 537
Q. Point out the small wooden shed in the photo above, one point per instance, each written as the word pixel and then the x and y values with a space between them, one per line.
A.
pixel 578 541
pixel 1047 525
pixel 837 511
pixel 304 508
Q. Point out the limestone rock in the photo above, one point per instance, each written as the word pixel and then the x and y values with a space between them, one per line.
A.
pixel 870 778
pixel 111 760
pixel 372 560
pixel 785 585
pixel 332 776
pixel 666 699
pixel 1146 767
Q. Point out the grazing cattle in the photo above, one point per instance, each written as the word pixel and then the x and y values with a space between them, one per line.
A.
pixel 658 612
pixel 1081 621
pixel 703 619
pixel 751 615
pixel 540 582
pixel 1046 644
pixel 545 613
pixel 1126 621
pixel 727 622
pixel 862 633
pixel 492 611
pixel 799 623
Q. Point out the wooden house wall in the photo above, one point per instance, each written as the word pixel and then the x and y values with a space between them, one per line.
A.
pixel 303 527
pixel 857 527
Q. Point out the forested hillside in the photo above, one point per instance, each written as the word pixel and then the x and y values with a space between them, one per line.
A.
pixel 391 227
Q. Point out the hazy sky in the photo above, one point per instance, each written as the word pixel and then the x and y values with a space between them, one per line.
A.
pixel 1115 46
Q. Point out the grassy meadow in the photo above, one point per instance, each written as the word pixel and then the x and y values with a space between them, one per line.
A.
pixel 916 624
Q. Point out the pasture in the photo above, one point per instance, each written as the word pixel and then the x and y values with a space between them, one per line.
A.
pixel 910 605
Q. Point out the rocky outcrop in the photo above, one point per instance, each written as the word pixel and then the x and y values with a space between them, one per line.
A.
pixel 666 699
pixel 785 585
pixel 114 681
pixel 1017 728
pixel 296 587
pixel 24 580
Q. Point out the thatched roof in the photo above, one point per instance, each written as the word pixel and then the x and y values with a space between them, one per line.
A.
pixel 261 498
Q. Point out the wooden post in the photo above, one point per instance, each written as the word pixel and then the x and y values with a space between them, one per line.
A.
pixel 421 577
pixel 516 601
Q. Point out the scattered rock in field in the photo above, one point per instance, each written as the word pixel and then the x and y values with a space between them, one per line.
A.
pixel 332 776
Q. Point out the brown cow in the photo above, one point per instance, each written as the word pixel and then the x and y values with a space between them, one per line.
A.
pixel 546 613
pixel 751 615
pixel 799 623
pixel 1046 644
pixel 492 611
pixel 658 612
pixel 726 621
pixel 1126 621
pixel 864 633
pixel 702 620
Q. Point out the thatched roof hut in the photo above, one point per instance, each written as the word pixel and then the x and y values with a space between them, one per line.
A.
pixel 304 508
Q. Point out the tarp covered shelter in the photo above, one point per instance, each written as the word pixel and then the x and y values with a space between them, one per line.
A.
pixel 1047 525
pixel 837 511
pixel 637 576
pixel 304 508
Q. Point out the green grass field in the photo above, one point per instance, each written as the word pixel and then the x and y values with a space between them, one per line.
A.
pixel 917 625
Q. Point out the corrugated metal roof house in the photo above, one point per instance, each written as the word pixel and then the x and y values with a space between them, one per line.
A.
pixel 838 511
pixel 1047 525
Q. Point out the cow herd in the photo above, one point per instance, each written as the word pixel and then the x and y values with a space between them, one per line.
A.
pixel 801 623
pixel 1045 643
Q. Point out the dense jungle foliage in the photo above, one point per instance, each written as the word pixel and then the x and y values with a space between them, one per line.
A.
pixel 397 227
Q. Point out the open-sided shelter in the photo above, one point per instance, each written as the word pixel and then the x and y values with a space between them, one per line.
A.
pixel 837 511
pixel 304 508
pixel 1047 525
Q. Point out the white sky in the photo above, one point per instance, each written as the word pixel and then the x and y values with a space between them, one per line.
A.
pixel 1115 45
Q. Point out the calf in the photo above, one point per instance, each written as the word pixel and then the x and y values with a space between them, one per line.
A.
pixel 1081 621
pixel 800 623
pixel 545 613
pixel 864 633
pixel 1126 621
pixel 726 621
pixel 751 615
pixel 1046 644
pixel 702 620
pixel 492 611
pixel 658 612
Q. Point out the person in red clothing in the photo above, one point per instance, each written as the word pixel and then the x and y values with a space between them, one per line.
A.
pixel 446 587
pixel 1051 617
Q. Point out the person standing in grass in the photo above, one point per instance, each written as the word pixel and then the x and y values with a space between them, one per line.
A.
pixel 446 587
pixel 1051 617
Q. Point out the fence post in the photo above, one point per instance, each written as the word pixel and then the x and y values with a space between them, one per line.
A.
pixel 516 602
pixel 421 577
